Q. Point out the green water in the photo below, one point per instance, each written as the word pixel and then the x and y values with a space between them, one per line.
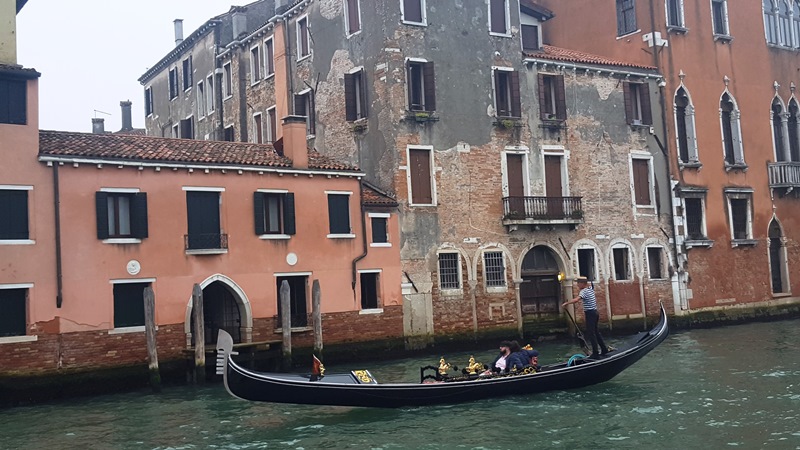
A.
pixel 733 387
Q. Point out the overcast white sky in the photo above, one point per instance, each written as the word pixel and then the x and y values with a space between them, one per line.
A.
pixel 91 52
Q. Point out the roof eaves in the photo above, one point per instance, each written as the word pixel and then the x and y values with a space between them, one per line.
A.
pixel 179 49
pixel 18 72
pixel 538 11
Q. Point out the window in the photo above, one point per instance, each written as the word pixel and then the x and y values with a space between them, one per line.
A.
pixel 339 214
pixel 413 11
pixel 274 213
pixel 255 65
pixel 202 210
pixel 129 304
pixel 210 94
pixel 655 257
pixel 421 85
pixel 173 83
pixel 304 106
pixel 201 100
pixel 449 271
pixel 370 295
pixel 148 101
pixel 794 136
pixel 771 22
pixel 498 17
pixel 552 102
pixel 176 131
pixel 684 123
pixel 695 218
pixel 380 229
pixel 14 214
pixel 739 215
pixel 506 93
pixel 13 101
pixel 785 24
pixel 121 215
pixel 227 81
pixel 258 127
pixel 675 13
pixel 778 128
pixel 420 176
pixel 353 16
pixel 530 37
pixel 187 128
pixel 303 48
pixel 586 263
pixel 494 269
pixel 13 321
pixel 637 103
pixel 622 265
pixel 187 73
pixel 731 131
pixel 272 126
pixel 228 134
pixel 269 57
pixel 796 23
pixel 354 95
pixel 626 17
pixel 719 16
pixel 641 181
pixel 297 299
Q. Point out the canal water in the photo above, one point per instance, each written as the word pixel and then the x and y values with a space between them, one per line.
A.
pixel 732 387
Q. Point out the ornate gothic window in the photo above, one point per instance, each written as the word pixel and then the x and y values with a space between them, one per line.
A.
pixel 684 124
pixel 731 131
pixel 779 131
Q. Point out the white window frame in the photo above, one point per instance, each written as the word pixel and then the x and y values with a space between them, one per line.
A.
pixel 258 118
pixel 691 132
pixel 388 242
pixel 784 137
pixel 496 69
pixel 201 100
pixel 643 210
pixel 300 56
pixel 595 253
pixel 740 193
pixel 15 187
pixel 681 19
pixel 727 33
pixel 267 74
pixel 227 79
pixel 495 289
pixel 507 34
pixel 736 133
pixel 407 168
pixel 346 20
pixel 273 134
pixel 379 288
pixel 450 291
pixel 664 262
pixel 525 19
pixel 127 330
pixel 631 267
pixel 705 242
pixel 177 83
pixel 148 94
pixel 210 94
pixel 255 67
pixel 526 173
pixel 408 81
pixel 25 337
pixel 350 235
pixel 424 8
pixel 563 153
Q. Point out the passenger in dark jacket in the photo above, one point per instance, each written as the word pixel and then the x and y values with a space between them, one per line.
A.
pixel 501 363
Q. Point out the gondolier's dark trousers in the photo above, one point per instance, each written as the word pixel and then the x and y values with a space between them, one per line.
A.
pixel 592 317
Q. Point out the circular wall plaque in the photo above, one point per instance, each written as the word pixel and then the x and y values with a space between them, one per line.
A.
pixel 133 267
pixel 291 259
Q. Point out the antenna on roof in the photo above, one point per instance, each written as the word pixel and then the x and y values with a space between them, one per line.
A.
pixel 101 112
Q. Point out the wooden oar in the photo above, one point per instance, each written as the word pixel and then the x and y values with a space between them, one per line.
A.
pixel 578 334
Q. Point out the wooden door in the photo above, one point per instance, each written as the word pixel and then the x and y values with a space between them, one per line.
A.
pixel 516 185
pixel 420 166
pixel 554 187
pixel 540 294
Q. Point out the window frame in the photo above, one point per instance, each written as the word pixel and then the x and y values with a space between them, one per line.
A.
pixel 595 275
pixel 16 338
pixel 227 81
pixel 173 82
pixel 651 209
pixel 507 19
pixel 356 105
pixel 15 100
pixel 427 73
pixel 736 133
pixel 432 165
pixel 200 97
pixel 269 58
pixel 524 153
pixel 286 216
pixel 378 291
pixel 222 247
pixel 300 55
pixel 628 266
pixel 346 13
pixel 681 25
pixel 309 105
pixel 780 133
pixel 187 71
pixel 258 128
pixel 726 34
pixel 513 98
pixel 148 101
pixel 137 225
pixel 460 283
pixel 522 36
pixel 662 266
pixel 379 216
pixel 745 194
pixel 503 280
pixel 638 107
pixel 272 124
pixel 210 98
pixel 256 64
pixel 619 5
pixel 423 13
pixel 147 282
pixel 698 194
pixel 28 215
pixel 334 234
pixel 690 127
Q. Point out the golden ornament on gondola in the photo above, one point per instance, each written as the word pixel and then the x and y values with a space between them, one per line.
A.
pixel 473 367
pixel 444 366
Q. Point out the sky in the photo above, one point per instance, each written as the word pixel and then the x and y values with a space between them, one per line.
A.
pixel 91 52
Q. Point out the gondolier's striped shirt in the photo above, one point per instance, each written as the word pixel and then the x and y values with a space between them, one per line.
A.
pixel 589 300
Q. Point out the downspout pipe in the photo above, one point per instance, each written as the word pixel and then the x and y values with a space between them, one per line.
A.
pixel 57 211
pixel 363 240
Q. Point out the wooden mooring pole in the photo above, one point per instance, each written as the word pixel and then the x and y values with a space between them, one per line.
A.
pixel 316 317
pixel 286 325
pixel 150 333
pixel 199 335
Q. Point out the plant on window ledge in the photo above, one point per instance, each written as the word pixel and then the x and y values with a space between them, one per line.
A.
pixel 508 123
pixel 359 126
pixel 577 214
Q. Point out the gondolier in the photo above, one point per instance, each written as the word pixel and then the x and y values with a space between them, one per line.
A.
pixel 589 300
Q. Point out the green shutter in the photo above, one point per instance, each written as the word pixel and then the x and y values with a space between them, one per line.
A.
pixel 258 212
pixel 101 206
pixel 139 215
pixel 289 225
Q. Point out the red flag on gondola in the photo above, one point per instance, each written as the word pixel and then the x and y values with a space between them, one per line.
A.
pixel 317 369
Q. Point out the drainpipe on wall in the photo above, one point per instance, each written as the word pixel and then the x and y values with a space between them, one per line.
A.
pixel 363 240
pixel 57 210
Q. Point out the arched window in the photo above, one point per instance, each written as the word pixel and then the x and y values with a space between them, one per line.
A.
pixel 784 23
pixel 777 130
pixel 684 123
pixel 771 21
pixel 794 125
pixel 731 131
pixel 777 259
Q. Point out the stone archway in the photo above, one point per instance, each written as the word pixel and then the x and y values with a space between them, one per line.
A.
pixel 225 306
pixel 540 290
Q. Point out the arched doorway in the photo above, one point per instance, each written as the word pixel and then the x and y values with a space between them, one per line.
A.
pixel 220 312
pixel 777 259
pixel 540 291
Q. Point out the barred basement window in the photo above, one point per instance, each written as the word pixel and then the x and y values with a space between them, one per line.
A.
pixel 449 271
pixel 129 304
pixel 494 269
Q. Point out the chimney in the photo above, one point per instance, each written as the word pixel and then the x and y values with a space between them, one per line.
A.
pixel 239 20
pixel 295 146
pixel 281 6
pixel 98 125
pixel 127 124
pixel 178 31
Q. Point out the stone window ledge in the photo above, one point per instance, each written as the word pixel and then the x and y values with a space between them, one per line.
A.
pixel 699 243
pixel 18 339
pixel 743 243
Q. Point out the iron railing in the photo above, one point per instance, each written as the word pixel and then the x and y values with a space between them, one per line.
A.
pixel 543 208
pixel 784 174
pixel 208 241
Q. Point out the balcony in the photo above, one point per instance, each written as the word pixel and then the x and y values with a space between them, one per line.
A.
pixel 205 244
pixel 542 211
pixel 784 175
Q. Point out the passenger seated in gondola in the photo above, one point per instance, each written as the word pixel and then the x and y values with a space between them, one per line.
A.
pixel 500 364
pixel 523 359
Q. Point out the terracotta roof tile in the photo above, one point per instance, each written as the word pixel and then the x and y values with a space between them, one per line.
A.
pixel 372 196
pixel 563 54
pixel 122 147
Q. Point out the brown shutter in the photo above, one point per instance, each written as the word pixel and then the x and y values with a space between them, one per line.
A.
pixel 354 24
pixel 542 102
pixel 362 80
pixel 626 91
pixel 498 11
pixel 647 113
pixel 350 96
pixel 420 166
pixel 430 86
pixel 641 181
pixel 561 102
pixel 516 183
pixel 516 105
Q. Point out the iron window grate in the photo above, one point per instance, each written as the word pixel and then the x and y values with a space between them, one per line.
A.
pixel 495 270
pixel 448 271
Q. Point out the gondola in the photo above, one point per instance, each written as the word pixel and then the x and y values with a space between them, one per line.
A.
pixel 359 388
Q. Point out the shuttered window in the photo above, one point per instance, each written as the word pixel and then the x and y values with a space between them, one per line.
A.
pixel 303 48
pixel 449 271
pixel 13 101
pixel 129 304
pixel 202 213
pixel 255 65
pixel 507 95
pixel 274 213
pixel 370 296
pixel 637 103
pixel 497 12
pixel 339 213
pixel 530 37
pixel 380 232
pixel 13 320
pixel 187 128
pixel 353 16
pixel 354 96
pixel 272 126
pixel 552 101
pixel 13 214
pixel 419 164
pixel 269 57
pixel 173 83
pixel 421 86
pixel 413 11
pixel 121 215
pixel 641 181
pixel 719 14
pixel 187 73
pixel 148 101
pixel 626 17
